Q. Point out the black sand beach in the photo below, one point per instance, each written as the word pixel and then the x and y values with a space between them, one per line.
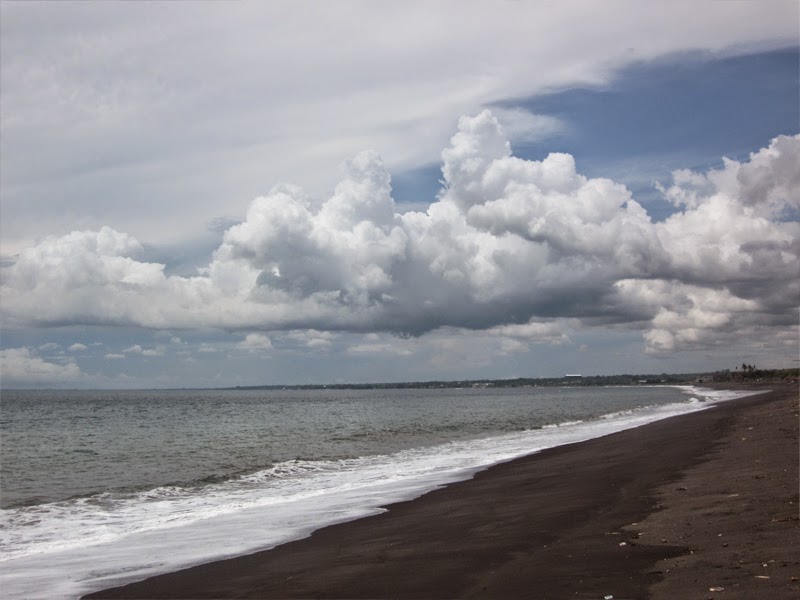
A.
pixel 697 506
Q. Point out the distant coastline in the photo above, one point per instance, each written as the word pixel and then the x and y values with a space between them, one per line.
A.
pixel 745 376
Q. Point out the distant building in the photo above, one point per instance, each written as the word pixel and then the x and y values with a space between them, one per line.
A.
pixel 573 376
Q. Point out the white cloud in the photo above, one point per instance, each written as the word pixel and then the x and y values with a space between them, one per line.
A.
pixel 21 366
pixel 158 351
pixel 516 247
pixel 535 332
pixel 254 342
pixel 78 347
pixel 137 349
pixel 524 126
pixel 766 186
pixel 114 356
pixel 511 346
pixel 689 316
pixel 82 264
pixel 312 338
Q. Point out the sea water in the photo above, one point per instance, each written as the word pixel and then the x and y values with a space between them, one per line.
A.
pixel 100 488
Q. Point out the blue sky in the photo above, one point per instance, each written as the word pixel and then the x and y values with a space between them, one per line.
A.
pixel 682 111
pixel 184 206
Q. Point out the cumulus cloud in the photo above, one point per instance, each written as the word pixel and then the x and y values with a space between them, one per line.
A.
pixel 534 332
pixel 255 342
pixel 78 347
pixel 159 351
pixel 519 248
pixel 767 185
pixel 312 338
pixel 137 349
pixel 21 366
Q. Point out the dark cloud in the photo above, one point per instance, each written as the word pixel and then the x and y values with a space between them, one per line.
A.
pixel 508 243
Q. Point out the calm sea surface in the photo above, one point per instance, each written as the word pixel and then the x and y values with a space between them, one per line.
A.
pixel 102 487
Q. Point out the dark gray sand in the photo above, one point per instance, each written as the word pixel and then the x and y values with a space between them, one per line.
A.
pixel 697 506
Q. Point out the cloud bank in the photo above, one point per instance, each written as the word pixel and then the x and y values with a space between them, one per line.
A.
pixel 510 246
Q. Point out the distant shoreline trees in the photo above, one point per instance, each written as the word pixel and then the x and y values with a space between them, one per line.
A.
pixel 747 373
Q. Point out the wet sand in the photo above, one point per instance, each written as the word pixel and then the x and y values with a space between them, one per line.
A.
pixel 668 510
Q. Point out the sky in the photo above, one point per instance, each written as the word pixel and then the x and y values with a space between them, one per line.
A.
pixel 216 194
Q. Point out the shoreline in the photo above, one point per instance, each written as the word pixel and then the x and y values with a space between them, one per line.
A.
pixel 514 529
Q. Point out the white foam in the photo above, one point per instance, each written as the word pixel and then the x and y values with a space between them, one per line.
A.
pixel 711 395
pixel 66 549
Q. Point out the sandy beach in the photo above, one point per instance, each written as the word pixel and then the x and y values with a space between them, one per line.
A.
pixel 703 505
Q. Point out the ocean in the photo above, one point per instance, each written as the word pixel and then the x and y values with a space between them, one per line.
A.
pixel 100 488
